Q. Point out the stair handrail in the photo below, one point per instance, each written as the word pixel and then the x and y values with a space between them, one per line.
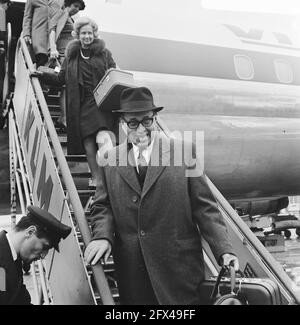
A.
pixel 98 272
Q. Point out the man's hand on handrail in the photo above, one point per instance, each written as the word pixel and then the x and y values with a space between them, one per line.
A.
pixel 96 250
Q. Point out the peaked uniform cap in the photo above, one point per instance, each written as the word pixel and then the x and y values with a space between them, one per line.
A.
pixel 134 100
pixel 52 227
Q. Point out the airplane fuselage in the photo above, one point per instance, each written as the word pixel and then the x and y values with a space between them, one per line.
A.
pixel 251 128
pixel 234 76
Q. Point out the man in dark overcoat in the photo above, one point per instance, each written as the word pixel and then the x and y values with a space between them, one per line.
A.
pixel 30 240
pixel 152 210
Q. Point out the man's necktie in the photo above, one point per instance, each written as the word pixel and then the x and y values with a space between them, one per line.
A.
pixel 142 168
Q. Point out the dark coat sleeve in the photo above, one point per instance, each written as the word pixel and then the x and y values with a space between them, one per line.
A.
pixel 110 61
pixel 22 297
pixel 53 78
pixel 16 292
pixel 101 213
pixel 206 212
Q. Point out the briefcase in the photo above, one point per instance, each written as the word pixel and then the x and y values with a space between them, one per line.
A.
pixel 255 291
pixel 107 92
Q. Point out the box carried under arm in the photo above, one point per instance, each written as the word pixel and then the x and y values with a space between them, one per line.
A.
pixel 108 91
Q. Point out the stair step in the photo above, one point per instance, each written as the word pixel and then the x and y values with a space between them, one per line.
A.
pixel 54 108
pixel 60 131
pixel 76 158
pixel 63 143
pixel 62 138
pixel 52 99
pixel 55 114
pixel 86 192
pixel 81 174
pixel 55 118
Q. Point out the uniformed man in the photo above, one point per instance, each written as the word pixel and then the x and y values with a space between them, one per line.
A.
pixel 30 240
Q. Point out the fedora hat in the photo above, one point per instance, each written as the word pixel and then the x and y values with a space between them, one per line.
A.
pixel 134 100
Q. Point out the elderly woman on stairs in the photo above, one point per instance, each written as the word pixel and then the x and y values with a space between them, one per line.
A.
pixel 87 59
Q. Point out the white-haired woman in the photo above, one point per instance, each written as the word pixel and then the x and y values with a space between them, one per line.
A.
pixel 86 62
pixel 61 26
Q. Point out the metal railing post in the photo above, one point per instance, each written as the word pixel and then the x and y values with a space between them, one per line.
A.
pixel 12 162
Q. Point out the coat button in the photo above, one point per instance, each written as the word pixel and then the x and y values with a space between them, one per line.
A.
pixel 142 232
pixel 135 199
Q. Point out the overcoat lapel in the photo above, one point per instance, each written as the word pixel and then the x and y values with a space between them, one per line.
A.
pixel 126 167
pixel 160 158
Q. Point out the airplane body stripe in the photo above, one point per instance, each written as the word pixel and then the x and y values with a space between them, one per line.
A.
pixel 272 45
pixel 138 53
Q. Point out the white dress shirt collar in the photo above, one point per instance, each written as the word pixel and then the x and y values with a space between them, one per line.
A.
pixel 146 153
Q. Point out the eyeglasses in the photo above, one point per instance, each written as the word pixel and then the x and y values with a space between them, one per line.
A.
pixel 134 124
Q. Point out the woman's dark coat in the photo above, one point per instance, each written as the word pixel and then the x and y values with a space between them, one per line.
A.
pixel 101 60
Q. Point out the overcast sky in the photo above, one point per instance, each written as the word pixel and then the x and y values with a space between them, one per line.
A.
pixel 274 6
pixel 266 6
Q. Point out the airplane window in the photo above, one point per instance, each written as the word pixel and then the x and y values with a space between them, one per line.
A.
pixel 284 71
pixel 243 67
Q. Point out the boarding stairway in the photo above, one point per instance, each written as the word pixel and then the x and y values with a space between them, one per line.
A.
pixel 42 173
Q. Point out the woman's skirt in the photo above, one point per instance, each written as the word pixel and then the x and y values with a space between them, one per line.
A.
pixel 92 120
